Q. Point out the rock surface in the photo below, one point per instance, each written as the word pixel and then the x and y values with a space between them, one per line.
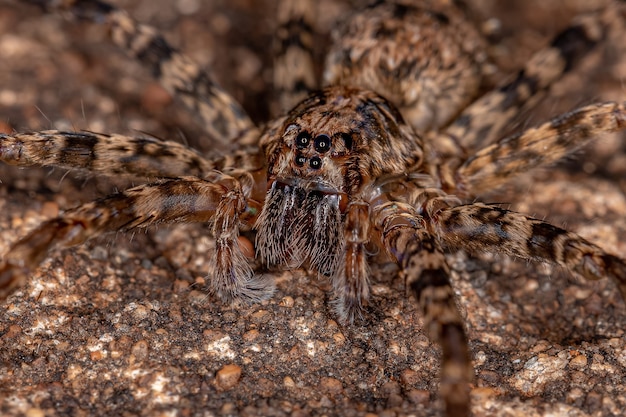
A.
pixel 123 326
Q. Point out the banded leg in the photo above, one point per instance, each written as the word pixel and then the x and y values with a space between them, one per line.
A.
pixel 480 227
pixel 294 74
pixel 499 163
pixel 219 113
pixel 186 199
pixel 112 154
pixel 351 280
pixel 472 131
pixel 233 279
pixel 406 239
pixel 103 153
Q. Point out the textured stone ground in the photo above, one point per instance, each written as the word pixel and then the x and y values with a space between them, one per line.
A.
pixel 122 326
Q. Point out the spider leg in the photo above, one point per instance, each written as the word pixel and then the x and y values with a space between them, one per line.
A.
pixel 406 238
pixel 103 153
pixel 113 154
pixel 480 227
pixel 186 199
pixel 499 163
pixel 351 280
pixel 471 131
pixel 294 75
pixel 219 113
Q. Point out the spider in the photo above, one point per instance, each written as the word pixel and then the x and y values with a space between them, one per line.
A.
pixel 387 156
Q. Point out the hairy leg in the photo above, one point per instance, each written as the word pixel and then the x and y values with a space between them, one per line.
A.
pixel 294 72
pixel 113 154
pixel 103 153
pixel 499 163
pixel 351 280
pixel 471 131
pixel 221 116
pixel 479 227
pixel 186 199
pixel 233 279
pixel 406 239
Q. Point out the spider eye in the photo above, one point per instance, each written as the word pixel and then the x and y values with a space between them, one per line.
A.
pixel 303 139
pixel 316 162
pixel 322 143
pixel 300 160
pixel 347 139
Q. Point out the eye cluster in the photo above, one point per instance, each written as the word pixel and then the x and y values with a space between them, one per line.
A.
pixel 321 144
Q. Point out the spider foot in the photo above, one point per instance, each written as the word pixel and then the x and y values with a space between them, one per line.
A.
pixel 24 256
pixel 594 267
pixel 348 308
pixel 12 277
pixel 250 290
pixel 256 289
pixel 351 287
pixel 233 280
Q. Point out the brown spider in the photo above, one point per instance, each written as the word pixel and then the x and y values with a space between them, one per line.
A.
pixel 342 172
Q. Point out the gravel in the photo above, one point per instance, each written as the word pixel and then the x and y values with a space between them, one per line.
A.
pixel 123 325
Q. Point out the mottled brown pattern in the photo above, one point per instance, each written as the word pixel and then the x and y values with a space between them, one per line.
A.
pixel 414 55
pixel 406 239
pixel 495 165
pixel 351 279
pixel 186 199
pixel 109 154
pixel 483 227
pixel 342 171
pixel 220 114
pixel 294 70
pixel 368 139
pixel 532 82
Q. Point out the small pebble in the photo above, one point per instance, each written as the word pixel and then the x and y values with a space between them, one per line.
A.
pixel 228 377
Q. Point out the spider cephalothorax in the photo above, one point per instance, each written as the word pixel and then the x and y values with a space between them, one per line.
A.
pixel 325 156
pixel 342 138
pixel 382 157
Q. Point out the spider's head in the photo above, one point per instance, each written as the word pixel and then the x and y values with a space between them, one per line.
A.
pixel 321 156
pixel 340 139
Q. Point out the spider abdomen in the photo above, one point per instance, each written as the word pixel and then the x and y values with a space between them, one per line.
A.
pixel 426 59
